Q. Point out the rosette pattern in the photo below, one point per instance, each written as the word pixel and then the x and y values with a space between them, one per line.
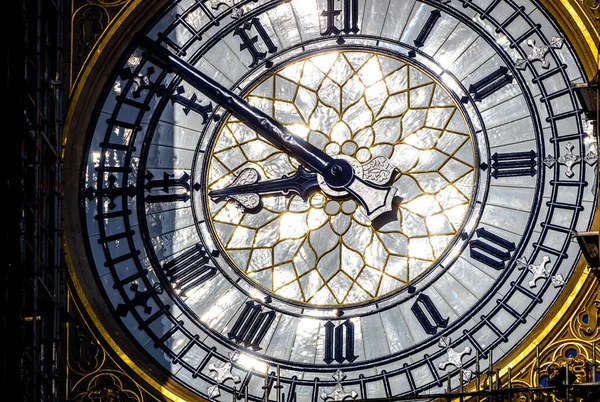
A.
pixel 323 250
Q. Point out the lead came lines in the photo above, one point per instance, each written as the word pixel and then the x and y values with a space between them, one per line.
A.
pixel 450 154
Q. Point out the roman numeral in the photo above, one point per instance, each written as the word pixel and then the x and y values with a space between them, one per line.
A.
pixel 350 18
pixel 426 30
pixel 166 185
pixel 252 325
pixel 488 85
pixel 189 104
pixel 190 269
pixel 428 315
pixel 513 164
pixel 493 252
pixel 339 342
pixel 249 43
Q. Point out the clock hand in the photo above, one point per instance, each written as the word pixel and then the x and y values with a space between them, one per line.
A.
pixel 246 188
pixel 337 173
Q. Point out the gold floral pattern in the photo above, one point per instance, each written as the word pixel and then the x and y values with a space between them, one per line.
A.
pixel 571 342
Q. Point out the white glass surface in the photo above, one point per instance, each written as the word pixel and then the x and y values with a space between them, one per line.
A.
pixel 323 249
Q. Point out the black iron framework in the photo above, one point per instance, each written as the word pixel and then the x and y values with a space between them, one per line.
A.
pixel 34 279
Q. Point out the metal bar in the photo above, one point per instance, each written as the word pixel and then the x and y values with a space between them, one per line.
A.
pixel 266 386
pixel 278 386
pixel 566 381
pixel 509 383
pixel 49 145
pixel 537 366
pixel 490 371
pixel 461 387
pixel 254 118
pixel 35 381
pixel 593 361
pixel 498 380
pixel 57 232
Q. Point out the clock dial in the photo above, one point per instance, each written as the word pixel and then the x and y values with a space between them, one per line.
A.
pixel 229 252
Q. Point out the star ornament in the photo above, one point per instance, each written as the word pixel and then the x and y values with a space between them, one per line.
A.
pixel 540 272
pixel 339 393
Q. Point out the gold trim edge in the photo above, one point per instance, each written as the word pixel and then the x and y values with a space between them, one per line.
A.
pixel 104 333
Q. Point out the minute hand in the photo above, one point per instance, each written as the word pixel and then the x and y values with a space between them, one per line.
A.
pixel 336 173
pixel 250 115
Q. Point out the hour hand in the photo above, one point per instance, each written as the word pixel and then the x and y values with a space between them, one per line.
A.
pixel 246 189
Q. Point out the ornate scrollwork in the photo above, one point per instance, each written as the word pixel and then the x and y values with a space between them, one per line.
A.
pixel 593 6
pixel 93 373
pixel 573 354
pixel 90 19
pixel 569 342
pixel 86 355
pixel 107 387
pixel 586 321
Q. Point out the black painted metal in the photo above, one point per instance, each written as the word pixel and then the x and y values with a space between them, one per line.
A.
pixel 302 183
pixel 253 117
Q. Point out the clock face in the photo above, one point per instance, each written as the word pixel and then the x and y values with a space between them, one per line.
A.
pixel 231 258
